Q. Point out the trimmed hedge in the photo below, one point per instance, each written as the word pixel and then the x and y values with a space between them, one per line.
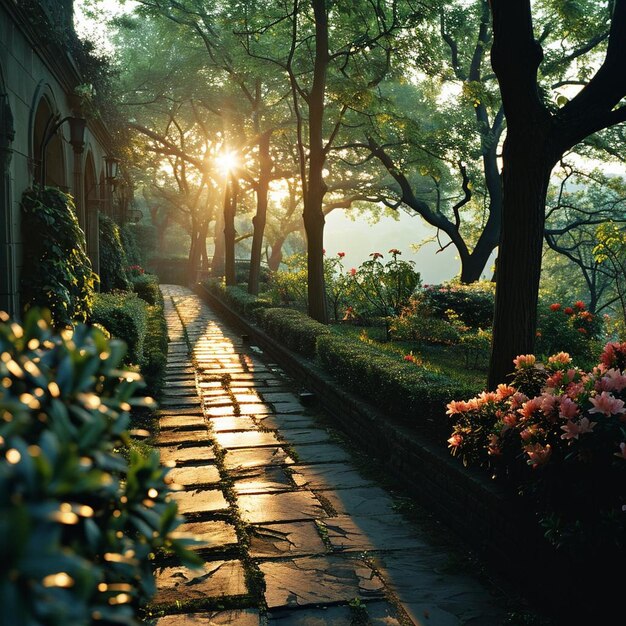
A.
pixel 170 270
pixel 238 298
pixel 146 286
pixel 125 316
pixel 295 330
pixel 408 392
pixel 155 349
pixel 113 262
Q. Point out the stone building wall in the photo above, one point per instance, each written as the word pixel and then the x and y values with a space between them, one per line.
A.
pixel 38 86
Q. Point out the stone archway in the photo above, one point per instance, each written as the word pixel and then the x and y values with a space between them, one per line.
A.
pixel 8 262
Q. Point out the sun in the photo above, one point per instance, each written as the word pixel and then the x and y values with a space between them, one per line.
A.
pixel 226 162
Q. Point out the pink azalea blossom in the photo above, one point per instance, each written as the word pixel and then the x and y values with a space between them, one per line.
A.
pixel 487 397
pixel 517 400
pixel 573 429
pixel 538 454
pixel 568 408
pixel 555 380
pixel 548 403
pixel 456 406
pixel 613 380
pixel 530 407
pixel 562 358
pixel 455 441
pixel 524 361
pixel 607 404
pixel 510 419
pixel 504 391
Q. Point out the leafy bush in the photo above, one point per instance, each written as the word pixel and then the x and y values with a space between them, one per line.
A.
pixel 113 262
pixel 125 316
pixel 558 432
pixel 476 347
pixel 79 514
pixel 146 286
pixel 155 349
pixel 405 390
pixel 238 298
pixel 289 287
pixel 128 236
pixel 295 330
pixel 57 272
pixel 417 324
pixel 379 290
pixel 473 303
pixel 568 328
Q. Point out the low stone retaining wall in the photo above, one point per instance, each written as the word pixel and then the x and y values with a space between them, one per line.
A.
pixel 493 523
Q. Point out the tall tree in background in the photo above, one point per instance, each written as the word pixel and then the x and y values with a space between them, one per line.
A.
pixel 536 139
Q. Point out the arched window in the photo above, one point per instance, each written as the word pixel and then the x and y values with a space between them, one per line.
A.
pixel 53 157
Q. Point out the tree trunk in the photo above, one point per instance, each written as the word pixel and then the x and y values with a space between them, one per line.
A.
pixel 230 209
pixel 217 263
pixel 276 255
pixel 526 174
pixel 313 214
pixel 259 220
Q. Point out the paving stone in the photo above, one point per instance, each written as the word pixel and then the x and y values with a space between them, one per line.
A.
pixel 178 392
pixel 247 439
pixel 323 616
pixel 279 507
pixel 307 435
pixel 193 475
pixel 256 457
pixel 255 409
pixel 199 501
pixel 169 411
pixel 179 384
pixel 285 422
pixel 318 580
pixel 232 423
pixel 328 476
pixel 361 501
pixel 284 540
pixel 181 402
pixel 215 386
pixel 280 397
pixel 358 533
pixel 211 534
pixel 425 585
pixel 233 617
pixel 187 454
pixel 289 407
pixel 320 453
pixel 220 411
pixel 261 480
pixel 212 580
pixel 182 422
pixel 177 437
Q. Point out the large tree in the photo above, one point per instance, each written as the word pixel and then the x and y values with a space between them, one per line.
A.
pixel 537 137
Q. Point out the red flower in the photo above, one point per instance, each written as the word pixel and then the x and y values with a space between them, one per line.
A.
pixel 582 330
pixel 580 305
pixel 568 310
pixel 352 271
pixel 376 255
pixel 341 254
pixel 555 307
pixel 394 251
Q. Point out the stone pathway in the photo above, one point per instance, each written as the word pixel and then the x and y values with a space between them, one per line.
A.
pixel 291 533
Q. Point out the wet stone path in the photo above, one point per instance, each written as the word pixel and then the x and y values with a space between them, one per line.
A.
pixel 291 533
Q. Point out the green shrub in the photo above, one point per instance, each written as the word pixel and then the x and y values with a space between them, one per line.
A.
pixel 238 298
pixel 472 303
pixel 404 390
pixel 125 316
pixel 113 262
pixel 57 272
pixel 155 350
pixel 415 324
pixel 128 236
pixel 295 330
pixel 146 286
pixel 80 516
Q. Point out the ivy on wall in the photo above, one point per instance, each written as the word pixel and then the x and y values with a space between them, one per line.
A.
pixel 56 272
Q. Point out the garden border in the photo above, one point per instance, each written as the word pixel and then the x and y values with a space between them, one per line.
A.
pixel 493 523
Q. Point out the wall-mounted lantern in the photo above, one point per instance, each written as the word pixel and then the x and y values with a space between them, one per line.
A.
pixel 112 169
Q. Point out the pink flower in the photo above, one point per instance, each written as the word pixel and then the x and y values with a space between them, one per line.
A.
pixel 504 391
pixel 568 408
pixel 562 358
pixel 531 406
pixel 455 441
pixel 548 404
pixel 572 429
pixel 341 254
pixel 524 361
pixel 494 446
pixel 510 419
pixel 517 400
pixel 613 380
pixel 455 407
pixel 614 354
pixel 487 397
pixel 538 454
pixel 607 404
pixel 555 380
